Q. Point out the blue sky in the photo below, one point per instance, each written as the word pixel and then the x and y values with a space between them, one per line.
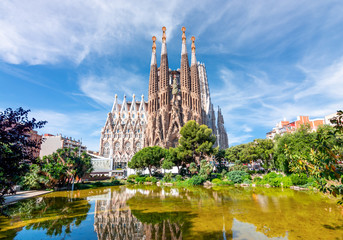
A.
pixel 265 60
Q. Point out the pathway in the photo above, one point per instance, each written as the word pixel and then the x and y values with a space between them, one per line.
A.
pixel 23 195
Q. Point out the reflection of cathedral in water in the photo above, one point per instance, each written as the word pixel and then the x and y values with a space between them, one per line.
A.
pixel 113 219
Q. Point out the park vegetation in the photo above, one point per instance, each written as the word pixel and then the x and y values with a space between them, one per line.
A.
pixel 301 158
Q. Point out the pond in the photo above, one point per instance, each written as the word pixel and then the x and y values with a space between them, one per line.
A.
pixel 151 212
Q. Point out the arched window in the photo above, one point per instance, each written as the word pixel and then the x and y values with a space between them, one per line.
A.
pixel 106 149
pixel 117 146
pixel 133 115
pixel 138 146
pixel 127 146
pixel 117 130
pixel 123 115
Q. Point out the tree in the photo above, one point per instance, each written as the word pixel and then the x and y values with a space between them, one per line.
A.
pixel 147 157
pixel 173 157
pixel 299 142
pixel 219 157
pixel 323 160
pixel 196 141
pixel 59 169
pixel 15 146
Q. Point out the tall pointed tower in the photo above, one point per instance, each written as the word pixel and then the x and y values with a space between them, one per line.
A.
pixel 185 80
pixel 195 87
pixel 153 94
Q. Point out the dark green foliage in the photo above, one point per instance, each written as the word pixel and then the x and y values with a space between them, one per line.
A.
pixel 196 142
pixel 140 180
pixel 237 176
pixel 115 181
pixel 98 184
pixel 205 169
pixel 151 179
pixel 168 177
pixel 16 146
pixel 299 179
pixel 178 178
pixel 147 157
pixel 196 180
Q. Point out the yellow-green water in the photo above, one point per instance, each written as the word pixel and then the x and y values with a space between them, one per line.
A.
pixel 151 212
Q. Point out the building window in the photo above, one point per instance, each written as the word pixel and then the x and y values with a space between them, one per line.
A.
pixel 117 130
pixel 127 146
pixel 116 146
pixel 106 149
pixel 128 130
pixel 138 146
pixel 142 115
pixel 133 115
pixel 123 115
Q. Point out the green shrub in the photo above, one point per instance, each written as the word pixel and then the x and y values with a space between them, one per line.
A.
pixel 132 177
pixel 178 178
pixel 196 180
pixel 247 181
pixel 237 176
pixel 98 184
pixel 216 181
pixel 151 179
pixel 257 179
pixel 130 181
pixel 168 177
pixel 140 179
pixel 115 181
pixel 299 179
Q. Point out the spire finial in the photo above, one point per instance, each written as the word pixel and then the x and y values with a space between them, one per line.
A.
pixel 116 96
pixel 183 29
pixel 193 45
pixel 133 95
pixel 164 34
pixel 153 43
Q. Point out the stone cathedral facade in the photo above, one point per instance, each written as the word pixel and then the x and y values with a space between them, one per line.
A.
pixel 175 97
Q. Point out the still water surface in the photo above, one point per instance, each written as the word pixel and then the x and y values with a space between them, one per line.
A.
pixel 151 212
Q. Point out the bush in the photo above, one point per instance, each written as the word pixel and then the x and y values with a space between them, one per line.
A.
pixel 299 179
pixel 132 177
pixel 196 180
pixel 168 177
pixel 237 176
pixel 98 184
pixel 178 178
pixel 151 179
pixel 115 181
pixel 216 181
pixel 130 181
pixel 140 180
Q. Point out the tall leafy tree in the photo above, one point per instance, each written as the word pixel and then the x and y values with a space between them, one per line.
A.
pixel 15 145
pixel 196 142
pixel 147 157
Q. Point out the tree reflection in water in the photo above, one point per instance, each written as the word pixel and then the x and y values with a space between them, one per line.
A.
pixel 56 215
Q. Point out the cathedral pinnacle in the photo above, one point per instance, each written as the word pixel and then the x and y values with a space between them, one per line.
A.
pixel 164 45
pixel 184 48
pixel 193 60
pixel 153 54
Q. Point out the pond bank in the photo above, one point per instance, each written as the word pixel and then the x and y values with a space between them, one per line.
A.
pixel 23 195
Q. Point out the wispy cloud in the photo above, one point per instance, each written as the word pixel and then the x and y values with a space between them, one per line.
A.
pixel 78 125
pixel 44 32
pixel 119 81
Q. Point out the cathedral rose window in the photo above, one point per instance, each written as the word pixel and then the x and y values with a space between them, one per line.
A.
pixel 117 145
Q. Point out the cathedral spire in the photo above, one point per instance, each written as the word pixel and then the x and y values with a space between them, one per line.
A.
pixel 124 105
pixel 153 54
pixel 142 105
pixel 164 67
pixel 184 75
pixel 133 104
pixel 164 44
pixel 115 104
pixel 193 60
pixel 184 48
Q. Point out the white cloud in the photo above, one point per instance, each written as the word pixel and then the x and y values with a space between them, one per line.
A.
pixel 43 32
pixel 78 125
pixel 119 81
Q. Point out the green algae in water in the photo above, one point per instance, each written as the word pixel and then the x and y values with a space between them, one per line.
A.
pixel 151 212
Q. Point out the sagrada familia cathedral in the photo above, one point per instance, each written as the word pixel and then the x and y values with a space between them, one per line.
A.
pixel 175 97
